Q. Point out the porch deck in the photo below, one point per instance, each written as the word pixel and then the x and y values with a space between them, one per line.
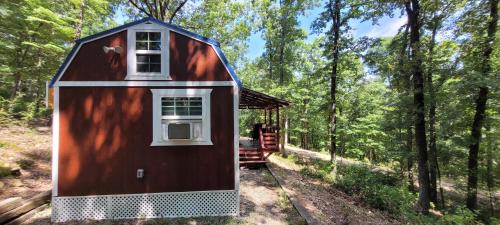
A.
pixel 255 152
pixel 266 135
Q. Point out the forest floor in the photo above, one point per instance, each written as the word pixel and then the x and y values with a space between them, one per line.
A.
pixel 451 189
pixel 262 199
pixel 27 149
pixel 324 203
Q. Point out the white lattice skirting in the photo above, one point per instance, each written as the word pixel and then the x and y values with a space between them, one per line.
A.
pixel 152 205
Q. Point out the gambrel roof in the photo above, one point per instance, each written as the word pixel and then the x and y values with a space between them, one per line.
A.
pixel 78 43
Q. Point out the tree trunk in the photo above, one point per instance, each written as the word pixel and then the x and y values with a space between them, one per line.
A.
pixel 409 111
pixel 17 85
pixel 490 179
pixel 481 100
pixel 335 14
pixel 413 12
pixel 432 118
pixel 79 25
pixel 282 42
pixel 409 157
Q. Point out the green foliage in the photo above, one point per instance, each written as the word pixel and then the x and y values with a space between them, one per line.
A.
pixel 4 170
pixel 378 190
pixel 459 216
pixel 34 37
pixel 25 163
pixel 18 106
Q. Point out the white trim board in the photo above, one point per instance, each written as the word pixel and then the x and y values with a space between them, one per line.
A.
pixel 132 73
pixel 55 142
pixel 236 115
pixel 205 94
pixel 143 83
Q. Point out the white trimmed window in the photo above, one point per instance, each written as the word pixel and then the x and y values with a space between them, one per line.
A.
pixel 181 117
pixel 147 54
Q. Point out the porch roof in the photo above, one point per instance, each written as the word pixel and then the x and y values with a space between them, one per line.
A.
pixel 251 99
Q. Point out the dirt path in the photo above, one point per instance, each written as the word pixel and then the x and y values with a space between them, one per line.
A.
pixel 324 203
pixel 450 188
pixel 28 149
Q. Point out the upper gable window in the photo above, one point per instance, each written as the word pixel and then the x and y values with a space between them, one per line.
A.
pixel 148 53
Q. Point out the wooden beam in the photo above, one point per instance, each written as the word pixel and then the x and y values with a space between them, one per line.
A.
pixel 27 206
pixel 9 204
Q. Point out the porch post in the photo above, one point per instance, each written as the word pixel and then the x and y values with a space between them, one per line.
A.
pixel 278 118
pixel 270 117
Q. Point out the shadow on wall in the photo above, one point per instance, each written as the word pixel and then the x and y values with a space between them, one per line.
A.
pixel 94 134
pixel 194 61
pixel 105 136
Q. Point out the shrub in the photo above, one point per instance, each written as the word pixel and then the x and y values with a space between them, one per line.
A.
pixel 460 216
pixel 4 170
pixel 377 190
pixel 25 163
pixel 18 106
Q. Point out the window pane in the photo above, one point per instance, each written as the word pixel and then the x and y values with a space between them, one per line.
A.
pixel 141 36
pixel 167 111
pixel 179 131
pixel 141 45
pixel 155 68
pixel 155 58
pixel 181 111
pixel 142 67
pixel 182 101
pixel 167 101
pixel 195 102
pixel 155 45
pixel 142 58
pixel 195 111
pixel 154 36
pixel 181 106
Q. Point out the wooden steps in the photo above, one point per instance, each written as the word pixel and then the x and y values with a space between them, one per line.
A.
pixel 251 156
pixel 257 155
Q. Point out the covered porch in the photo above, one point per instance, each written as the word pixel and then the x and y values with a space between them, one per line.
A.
pixel 265 138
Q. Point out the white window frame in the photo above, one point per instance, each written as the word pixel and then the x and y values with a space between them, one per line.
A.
pixel 158 94
pixel 132 73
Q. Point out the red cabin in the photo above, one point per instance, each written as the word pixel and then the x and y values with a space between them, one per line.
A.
pixel 145 125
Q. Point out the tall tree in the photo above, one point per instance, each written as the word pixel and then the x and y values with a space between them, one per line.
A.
pixel 438 12
pixel 414 21
pixel 164 10
pixel 482 97
pixel 334 22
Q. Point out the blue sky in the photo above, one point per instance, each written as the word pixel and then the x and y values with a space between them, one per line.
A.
pixel 386 27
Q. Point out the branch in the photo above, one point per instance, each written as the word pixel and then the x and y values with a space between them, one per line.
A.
pixel 150 8
pixel 177 10
pixel 139 8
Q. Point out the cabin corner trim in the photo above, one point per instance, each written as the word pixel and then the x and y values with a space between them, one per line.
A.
pixel 55 143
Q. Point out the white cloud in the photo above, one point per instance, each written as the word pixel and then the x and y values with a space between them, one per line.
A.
pixel 387 28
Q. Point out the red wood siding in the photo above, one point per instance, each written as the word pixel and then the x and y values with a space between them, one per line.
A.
pixel 105 136
pixel 190 60
pixel 92 64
